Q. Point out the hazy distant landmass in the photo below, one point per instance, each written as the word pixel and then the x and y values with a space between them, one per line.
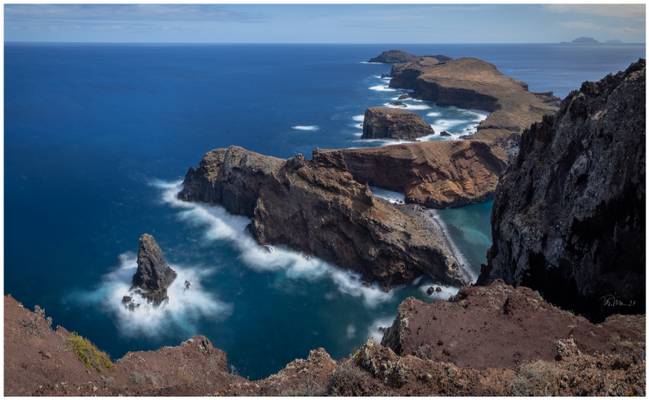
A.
pixel 592 41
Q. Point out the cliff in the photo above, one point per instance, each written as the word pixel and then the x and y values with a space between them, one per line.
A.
pixel 569 213
pixel 441 354
pixel 435 174
pixel 321 210
pixel 392 123
pixel 475 84
pixel 394 57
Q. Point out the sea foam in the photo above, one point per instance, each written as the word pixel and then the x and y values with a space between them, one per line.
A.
pixel 221 225
pixel 181 312
pixel 382 88
pixel 305 127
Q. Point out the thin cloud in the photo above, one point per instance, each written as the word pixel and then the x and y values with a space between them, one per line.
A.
pixel 601 10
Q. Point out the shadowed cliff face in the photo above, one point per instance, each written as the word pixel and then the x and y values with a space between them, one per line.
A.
pixel 322 211
pixel 153 274
pixel 569 214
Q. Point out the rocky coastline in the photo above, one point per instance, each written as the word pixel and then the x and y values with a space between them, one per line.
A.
pixel 322 211
pixel 568 227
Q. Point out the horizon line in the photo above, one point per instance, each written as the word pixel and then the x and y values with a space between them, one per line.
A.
pixel 317 43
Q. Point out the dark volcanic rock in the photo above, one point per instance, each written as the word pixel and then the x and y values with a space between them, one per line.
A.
pixel 569 215
pixel 321 210
pixel 153 275
pixel 386 122
pixel 394 57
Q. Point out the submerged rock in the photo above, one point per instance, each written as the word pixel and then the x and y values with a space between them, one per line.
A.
pixel 153 275
pixel 569 214
pixel 387 122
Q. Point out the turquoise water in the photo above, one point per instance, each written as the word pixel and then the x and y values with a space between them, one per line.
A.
pixel 97 137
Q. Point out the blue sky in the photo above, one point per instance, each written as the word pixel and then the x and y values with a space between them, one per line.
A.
pixel 434 23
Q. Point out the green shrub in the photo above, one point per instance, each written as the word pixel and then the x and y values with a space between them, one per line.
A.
pixel 88 353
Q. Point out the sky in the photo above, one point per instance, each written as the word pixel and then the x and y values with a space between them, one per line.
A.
pixel 431 23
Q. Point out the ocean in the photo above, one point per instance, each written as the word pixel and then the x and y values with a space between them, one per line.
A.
pixel 97 138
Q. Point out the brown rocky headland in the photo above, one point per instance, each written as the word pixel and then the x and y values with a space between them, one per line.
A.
pixel 394 123
pixel 321 210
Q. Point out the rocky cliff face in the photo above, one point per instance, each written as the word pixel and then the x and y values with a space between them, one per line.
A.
pixel 569 214
pixel 322 211
pixel 434 174
pixel 392 123
pixel 153 275
pixel 394 57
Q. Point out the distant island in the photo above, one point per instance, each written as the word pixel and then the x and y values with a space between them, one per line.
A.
pixel 585 40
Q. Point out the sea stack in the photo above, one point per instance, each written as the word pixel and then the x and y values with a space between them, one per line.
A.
pixel 393 123
pixel 153 275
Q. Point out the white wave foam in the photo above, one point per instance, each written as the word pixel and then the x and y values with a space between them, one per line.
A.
pixel 434 114
pixel 444 294
pixel 359 117
pixel 221 225
pixel 407 106
pixel 445 124
pixel 382 88
pixel 180 313
pixel 388 195
pixel 305 127
pixel 370 62
pixel 376 329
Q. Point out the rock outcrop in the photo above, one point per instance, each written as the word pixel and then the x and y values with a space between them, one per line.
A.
pixel 394 123
pixel 394 57
pixel 569 214
pixel 436 358
pixel 322 211
pixel 435 174
pixel 475 84
pixel 153 275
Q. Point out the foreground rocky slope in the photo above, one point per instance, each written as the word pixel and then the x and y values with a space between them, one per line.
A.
pixel 569 214
pixel 435 344
pixel 392 123
pixel 320 210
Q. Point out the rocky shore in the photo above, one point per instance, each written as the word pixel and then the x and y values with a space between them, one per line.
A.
pixel 569 214
pixel 320 210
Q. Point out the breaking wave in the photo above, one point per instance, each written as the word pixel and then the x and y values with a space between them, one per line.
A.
pixel 305 127
pixel 382 88
pixel 377 327
pixel 221 225
pixel 182 311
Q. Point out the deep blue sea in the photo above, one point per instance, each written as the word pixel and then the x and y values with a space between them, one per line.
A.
pixel 97 137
